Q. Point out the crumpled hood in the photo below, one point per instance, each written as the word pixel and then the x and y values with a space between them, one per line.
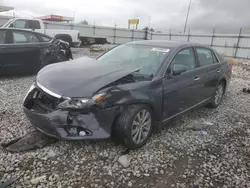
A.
pixel 81 77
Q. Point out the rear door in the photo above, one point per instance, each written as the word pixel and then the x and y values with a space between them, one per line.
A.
pixel 209 72
pixel 22 52
pixel 2 46
pixel 180 91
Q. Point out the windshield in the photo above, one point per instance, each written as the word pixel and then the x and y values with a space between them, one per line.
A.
pixel 147 58
pixel 7 23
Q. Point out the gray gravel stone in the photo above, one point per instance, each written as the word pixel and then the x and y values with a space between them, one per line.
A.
pixel 124 160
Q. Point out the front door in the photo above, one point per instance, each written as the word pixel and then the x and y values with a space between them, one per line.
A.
pixel 180 91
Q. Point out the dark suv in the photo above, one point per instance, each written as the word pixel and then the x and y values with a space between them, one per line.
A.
pixel 126 93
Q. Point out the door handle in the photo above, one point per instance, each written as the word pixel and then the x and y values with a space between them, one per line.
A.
pixel 196 78
pixel 218 71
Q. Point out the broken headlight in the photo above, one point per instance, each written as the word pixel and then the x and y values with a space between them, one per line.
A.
pixel 30 89
pixel 78 103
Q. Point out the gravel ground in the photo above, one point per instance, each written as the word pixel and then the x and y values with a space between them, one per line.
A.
pixel 204 148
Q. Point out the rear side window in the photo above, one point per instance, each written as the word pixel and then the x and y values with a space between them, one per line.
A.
pixel 24 37
pixel 22 24
pixel 2 37
pixel 206 57
pixel 34 24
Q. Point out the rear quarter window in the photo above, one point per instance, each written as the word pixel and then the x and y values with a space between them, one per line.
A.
pixel 205 56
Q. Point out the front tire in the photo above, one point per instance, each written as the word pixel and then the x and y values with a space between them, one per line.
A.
pixel 218 96
pixel 134 126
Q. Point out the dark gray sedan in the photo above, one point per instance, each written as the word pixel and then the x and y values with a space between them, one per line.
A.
pixel 127 93
pixel 24 51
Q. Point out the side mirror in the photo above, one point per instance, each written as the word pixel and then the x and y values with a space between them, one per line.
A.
pixel 178 69
pixel 11 25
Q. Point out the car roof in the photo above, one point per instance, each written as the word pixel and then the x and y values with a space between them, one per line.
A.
pixel 164 43
pixel 15 29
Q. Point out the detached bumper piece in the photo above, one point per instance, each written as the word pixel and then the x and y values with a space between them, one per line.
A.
pixel 91 123
pixel 30 141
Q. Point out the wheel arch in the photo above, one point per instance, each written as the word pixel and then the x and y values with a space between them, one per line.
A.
pixel 224 81
pixel 60 36
pixel 156 117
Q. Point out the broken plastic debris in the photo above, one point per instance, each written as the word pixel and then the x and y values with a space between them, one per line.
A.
pixel 246 90
pixel 9 182
pixel 203 132
pixel 32 140
pixel 38 179
pixel 208 123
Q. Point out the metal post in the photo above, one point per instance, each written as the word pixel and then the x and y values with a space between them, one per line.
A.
pixel 151 35
pixel 212 39
pixel 46 25
pixel 188 35
pixel 170 34
pixel 114 34
pixel 146 34
pixel 94 29
pixel 238 42
pixel 132 35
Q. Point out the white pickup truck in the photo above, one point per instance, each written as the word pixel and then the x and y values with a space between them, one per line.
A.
pixel 70 36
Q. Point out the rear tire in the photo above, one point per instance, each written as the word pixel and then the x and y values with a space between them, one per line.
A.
pixel 134 126
pixel 218 96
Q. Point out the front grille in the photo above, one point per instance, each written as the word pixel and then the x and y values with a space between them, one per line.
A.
pixel 41 102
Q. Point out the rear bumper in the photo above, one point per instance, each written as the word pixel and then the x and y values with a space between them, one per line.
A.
pixel 67 125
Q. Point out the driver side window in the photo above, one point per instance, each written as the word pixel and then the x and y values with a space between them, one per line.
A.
pixel 185 58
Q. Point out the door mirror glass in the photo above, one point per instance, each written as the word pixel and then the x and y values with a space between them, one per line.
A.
pixel 178 69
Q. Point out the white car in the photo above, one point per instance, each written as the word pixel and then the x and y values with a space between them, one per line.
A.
pixel 70 36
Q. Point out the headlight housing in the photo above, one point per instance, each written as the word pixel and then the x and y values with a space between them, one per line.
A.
pixel 79 103
pixel 30 89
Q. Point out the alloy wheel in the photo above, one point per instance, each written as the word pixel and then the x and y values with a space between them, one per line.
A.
pixel 219 94
pixel 141 126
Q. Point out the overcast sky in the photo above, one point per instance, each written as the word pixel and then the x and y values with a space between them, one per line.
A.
pixel 226 16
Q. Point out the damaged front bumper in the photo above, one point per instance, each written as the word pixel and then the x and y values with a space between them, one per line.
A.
pixel 90 123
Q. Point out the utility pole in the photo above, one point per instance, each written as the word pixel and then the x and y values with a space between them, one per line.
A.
pixel 187 16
